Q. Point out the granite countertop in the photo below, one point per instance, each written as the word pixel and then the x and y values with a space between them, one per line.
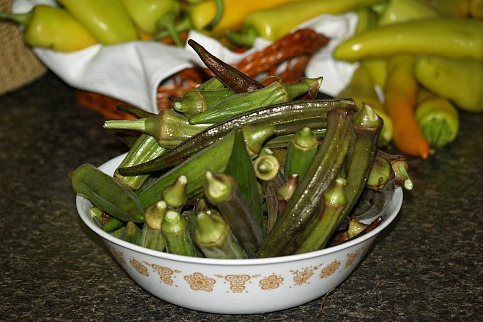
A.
pixel 427 266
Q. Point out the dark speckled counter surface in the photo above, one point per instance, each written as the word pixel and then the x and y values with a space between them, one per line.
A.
pixel 426 267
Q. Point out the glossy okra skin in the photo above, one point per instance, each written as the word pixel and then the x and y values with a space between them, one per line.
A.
pixel 221 190
pixel 197 101
pixel 300 152
pixel 176 234
pixel 107 193
pixel 312 113
pixel 322 171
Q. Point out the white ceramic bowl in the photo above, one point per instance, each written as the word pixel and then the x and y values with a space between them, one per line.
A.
pixel 238 286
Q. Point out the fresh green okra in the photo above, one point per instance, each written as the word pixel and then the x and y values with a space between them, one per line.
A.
pixel 216 239
pixel 301 150
pixel 152 236
pixel 240 168
pixel 132 233
pixel 213 157
pixel 381 173
pixel 266 166
pixel 175 194
pixel 168 127
pixel 322 171
pixel 176 234
pixel 232 106
pixel 107 193
pixel 197 101
pixel 221 190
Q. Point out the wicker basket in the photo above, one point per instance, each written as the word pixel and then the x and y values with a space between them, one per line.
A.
pixel 18 64
pixel 286 58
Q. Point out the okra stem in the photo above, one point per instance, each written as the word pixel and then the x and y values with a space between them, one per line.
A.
pixel 152 236
pixel 301 150
pixel 175 194
pixel 176 234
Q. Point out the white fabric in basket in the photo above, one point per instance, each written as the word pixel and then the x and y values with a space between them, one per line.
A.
pixel 132 72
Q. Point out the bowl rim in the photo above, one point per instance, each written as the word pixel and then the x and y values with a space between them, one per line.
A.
pixel 82 203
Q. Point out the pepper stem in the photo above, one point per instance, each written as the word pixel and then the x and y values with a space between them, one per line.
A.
pixel 21 18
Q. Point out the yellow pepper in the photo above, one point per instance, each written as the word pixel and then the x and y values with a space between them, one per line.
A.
pixel 146 14
pixel 361 90
pixel 274 23
pixel 437 118
pixel 203 13
pixel 450 37
pixel 459 80
pixel 105 19
pixel 451 8
pixel 52 27
pixel 397 11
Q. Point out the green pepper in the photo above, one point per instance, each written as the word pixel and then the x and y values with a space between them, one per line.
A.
pixel 105 19
pixel 449 37
pixel 51 27
pixel 274 23
pixel 146 14
pixel 459 80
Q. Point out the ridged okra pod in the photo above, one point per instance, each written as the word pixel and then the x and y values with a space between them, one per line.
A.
pixel 318 231
pixel 240 168
pixel 152 237
pixel 176 234
pixel 168 127
pixel 299 113
pixel 213 157
pixel 107 193
pixel 131 233
pixel 196 101
pixel 175 194
pixel 215 238
pixel 232 106
pixel 221 191
pixel 266 166
pixel 301 150
pixel 145 148
pixel 322 171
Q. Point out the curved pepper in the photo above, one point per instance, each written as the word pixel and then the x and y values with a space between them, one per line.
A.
pixel 146 14
pixel 51 27
pixel 105 19
pixel 276 22
pixel 450 37
pixel 459 80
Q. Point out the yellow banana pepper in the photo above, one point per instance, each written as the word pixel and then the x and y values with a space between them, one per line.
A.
pixel 397 11
pixel 52 27
pixel 450 37
pixel 451 8
pixel 203 13
pixel 361 90
pixel 105 19
pixel 459 80
pixel 146 14
pixel 437 118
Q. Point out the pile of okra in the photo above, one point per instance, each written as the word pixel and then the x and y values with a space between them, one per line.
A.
pixel 236 169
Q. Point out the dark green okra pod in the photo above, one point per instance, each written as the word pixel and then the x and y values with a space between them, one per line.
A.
pixel 176 234
pixel 240 168
pixel 175 194
pixel 132 233
pixel 221 191
pixel 215 238
pixel 229 75
pixel 107 193
pixel 213 157
pixel 301 150
pixel 322 171
pixel 299 113
pixel 196 101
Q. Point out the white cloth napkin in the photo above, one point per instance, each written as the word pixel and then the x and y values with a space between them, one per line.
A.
pixel 132 72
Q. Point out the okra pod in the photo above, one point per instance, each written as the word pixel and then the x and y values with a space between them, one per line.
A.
pixel 270 189
pixel 301 150
pixel 323 170
pixel 152 236
pixel 168 127
pixel 400 167
pixel 266 166
pixel 299 113
pixel 221 190
pixel 175 194
pixel 316 234
pixel 381 173
pixel 213 157
pixel 197 101
pixel 176 234
pixel 145 148
pixel 107 193
pixel 232 106
pixel 215 238
pixel 132 233
pixel 229 75
pixel 285 192
pixel 240 168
